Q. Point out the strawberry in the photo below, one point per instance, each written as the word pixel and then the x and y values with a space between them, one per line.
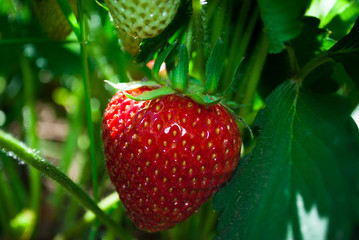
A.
pixel 52 19
pixel 129 44
pixel 167 156
pixel 142 18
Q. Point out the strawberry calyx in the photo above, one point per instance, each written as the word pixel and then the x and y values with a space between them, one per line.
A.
pixel 133 85
pixel 150 95
pixel 178 80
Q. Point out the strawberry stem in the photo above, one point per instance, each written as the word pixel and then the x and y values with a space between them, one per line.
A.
pixel 248 85
pixel 243 35
pixel 90 129
pixel 17 150
pixel 86 85
pixel 30 122
pixel 313 64
pixel 198 30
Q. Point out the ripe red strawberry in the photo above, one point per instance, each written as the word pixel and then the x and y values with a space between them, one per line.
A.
pixel 167 156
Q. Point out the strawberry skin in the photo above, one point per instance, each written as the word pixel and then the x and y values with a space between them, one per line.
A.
pixel 167 156
pixel 129 44
pixel 142 18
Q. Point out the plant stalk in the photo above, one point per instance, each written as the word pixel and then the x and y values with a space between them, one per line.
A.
pixel 313 64
pixel 86 86
pixel 30 120
pixel 20 151
pixel 70 147
pixel 198 39
pixel 248 86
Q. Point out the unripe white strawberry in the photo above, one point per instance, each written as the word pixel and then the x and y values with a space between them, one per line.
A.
pixel 142 18
pixel 129 44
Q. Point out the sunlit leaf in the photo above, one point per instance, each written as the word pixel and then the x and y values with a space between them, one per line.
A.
pixel 327 11
pixel 151 94
pixel 131 85
pixel 346 51
pixel 303 167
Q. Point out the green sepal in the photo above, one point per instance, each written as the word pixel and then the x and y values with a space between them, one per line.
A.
pixel 214 67
pixel 160 59
pixel 205 100
pixel 236 77
pixel 132 85
pixel 102 5
pixel 194 85
pixel 150 95
pixel 179 75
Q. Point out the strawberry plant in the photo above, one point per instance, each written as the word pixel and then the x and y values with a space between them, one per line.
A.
pixel 179 119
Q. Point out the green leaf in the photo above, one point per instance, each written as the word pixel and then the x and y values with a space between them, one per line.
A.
pixel 214 67
pixel 310 40
pixel 301 176
pixel 346 51
pixel 281 21
pixel 341 9
pixel 179 75
pixel 151 94
pixel 160 59
pixel 342 21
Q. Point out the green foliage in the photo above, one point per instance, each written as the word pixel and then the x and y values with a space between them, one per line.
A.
pixel 305 162
pixel 281 20
pixel 346 51
pixel 289 69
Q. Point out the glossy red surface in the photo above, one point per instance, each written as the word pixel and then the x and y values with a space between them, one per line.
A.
pixel 167 156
